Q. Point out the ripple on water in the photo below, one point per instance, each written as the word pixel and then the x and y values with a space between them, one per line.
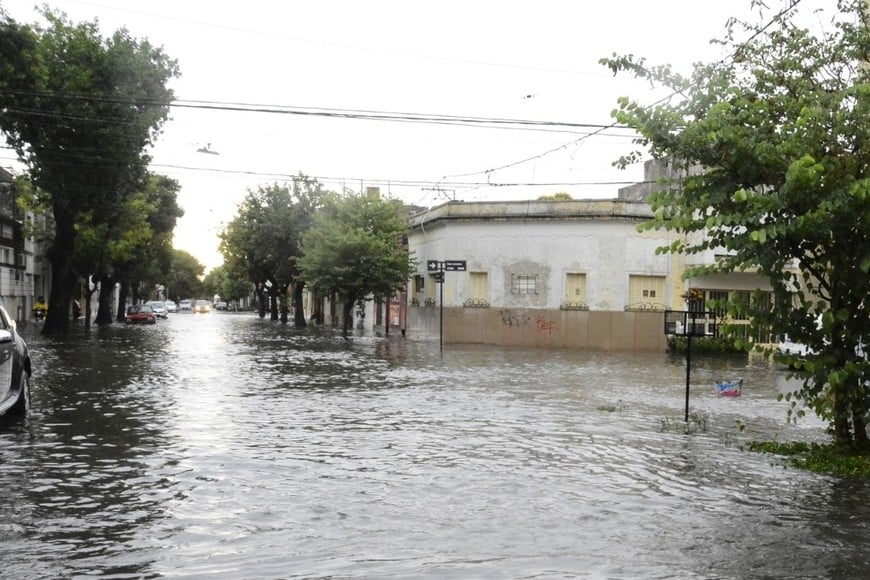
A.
pixel 226 446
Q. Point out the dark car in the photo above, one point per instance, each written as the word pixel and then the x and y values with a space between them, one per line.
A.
pixel 140 314
pixel 14 369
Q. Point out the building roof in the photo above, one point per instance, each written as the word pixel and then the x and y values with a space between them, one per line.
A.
pixel 578 209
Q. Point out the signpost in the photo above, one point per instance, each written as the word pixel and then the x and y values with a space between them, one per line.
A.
pixel 689 323
pixel 439 267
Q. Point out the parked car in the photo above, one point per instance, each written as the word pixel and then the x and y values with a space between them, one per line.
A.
pixel 202 306
pixel 140 314
pixel 15 369
pixel 159 309
pixel 185 305
pixel 171 306
pixel 220 305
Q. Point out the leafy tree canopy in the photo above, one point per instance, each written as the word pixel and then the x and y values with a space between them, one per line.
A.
pixel 79 110
pixel 773 148
pixel 352 250
pixel 560 196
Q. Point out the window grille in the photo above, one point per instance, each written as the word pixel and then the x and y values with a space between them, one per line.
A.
pixel 523 284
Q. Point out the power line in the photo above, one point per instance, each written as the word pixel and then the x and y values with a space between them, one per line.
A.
pixel 792 5
pixel 359 114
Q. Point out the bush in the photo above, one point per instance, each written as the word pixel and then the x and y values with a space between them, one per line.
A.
pixel 704 345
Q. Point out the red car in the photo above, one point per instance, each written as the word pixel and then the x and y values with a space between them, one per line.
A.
pixel 140 314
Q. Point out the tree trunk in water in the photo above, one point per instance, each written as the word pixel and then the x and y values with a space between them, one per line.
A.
pixel 89 292
pixel 859 423
pixel 285 308
pixel 273 302
pixel 298 306
pixel 104 301
pixel 62 276
pixel 317 312
pixel 841 418
pixel 261 301
pixel 123 293
pixel 347 317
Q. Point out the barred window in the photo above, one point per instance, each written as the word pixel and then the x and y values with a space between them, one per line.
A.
pixel 523 284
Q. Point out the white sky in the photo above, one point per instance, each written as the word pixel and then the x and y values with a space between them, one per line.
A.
pixel 496 59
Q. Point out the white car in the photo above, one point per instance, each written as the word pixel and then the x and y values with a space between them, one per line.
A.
pixel 159 309
pixel 170 306
pixel 185 305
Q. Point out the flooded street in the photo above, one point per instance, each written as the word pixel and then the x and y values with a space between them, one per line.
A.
pixel 223 446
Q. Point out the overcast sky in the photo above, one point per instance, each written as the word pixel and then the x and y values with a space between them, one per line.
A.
pixel 499 59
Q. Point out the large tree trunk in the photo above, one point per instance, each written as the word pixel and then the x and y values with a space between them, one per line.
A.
pixel 859 413
pixel 104 301
pixel 89 292
pixel 57 320
pixel 347 316
pixel 273 302
pixel 842 434
pixel 261 300
pixel 285 307
pixel 298 306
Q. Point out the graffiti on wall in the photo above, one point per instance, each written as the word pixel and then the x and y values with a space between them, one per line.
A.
pixel 513 318
pixel 544 324
pixel 516 319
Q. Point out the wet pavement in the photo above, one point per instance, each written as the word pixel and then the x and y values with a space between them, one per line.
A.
pixel 224 446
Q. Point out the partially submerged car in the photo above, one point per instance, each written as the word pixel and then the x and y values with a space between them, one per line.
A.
pixel 159 308
pixel 140 314
pixel 15 369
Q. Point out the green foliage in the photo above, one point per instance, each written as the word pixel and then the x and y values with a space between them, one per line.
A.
pixel 80 111
pixel 263 241
pixel 774 150
pixel 560 196
pixel 705 345
pixel 183 279
pixel 228 285
pixel 352 249
pixel 833 459
pixel 698 423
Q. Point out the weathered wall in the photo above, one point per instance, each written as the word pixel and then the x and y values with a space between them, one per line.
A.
pixel 601 330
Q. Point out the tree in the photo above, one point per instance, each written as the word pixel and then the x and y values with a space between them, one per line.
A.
pixel 263 240
pixel 80 111
pixel 351 251
pixel 230 286
pixel 559 196
pixel 183 279
pixel 774 143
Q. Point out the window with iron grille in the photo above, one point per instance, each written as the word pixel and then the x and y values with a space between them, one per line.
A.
pixel 717 300
pixel 523 284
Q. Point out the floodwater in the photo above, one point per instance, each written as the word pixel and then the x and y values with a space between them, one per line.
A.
pixel 224 446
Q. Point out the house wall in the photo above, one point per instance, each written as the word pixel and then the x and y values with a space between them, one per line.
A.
pixel 544 240
pixel 607 331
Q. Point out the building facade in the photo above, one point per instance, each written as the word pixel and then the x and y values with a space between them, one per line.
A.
pixel 574 274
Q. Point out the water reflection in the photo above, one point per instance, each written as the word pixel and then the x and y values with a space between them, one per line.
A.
pixel 224 446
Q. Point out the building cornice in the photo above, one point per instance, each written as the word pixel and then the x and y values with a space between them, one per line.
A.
pixel 573 210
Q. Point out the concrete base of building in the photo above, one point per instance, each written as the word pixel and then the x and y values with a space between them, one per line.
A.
pixel 578 329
